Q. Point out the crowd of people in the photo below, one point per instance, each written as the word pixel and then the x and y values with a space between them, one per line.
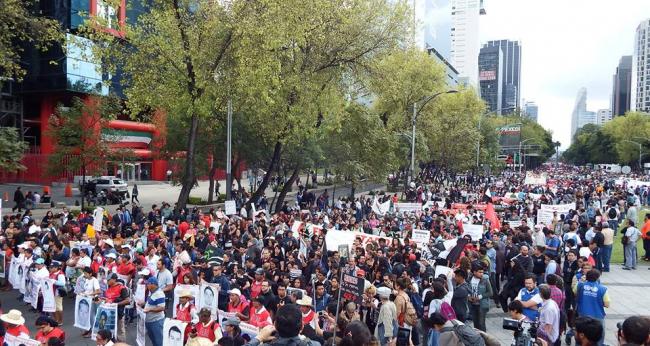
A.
pixel 287 281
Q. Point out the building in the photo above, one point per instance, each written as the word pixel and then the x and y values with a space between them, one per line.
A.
pixel 622 84
pixel 450 71
pixel 490 75
pixel 603 116
pixel 434 25
pixel 581 116
pixel 531 110
pixel 465 44
pixel 28 105
pixel 511 81
pixel 641 68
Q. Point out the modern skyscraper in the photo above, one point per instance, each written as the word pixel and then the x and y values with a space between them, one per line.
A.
pixel 603 116
pixel 621 86
pixel 581 116
pixel 490 71
pixel 641 68
pixel 434 25
pixel 531 110
pixel 465 38
pixel 450 71
pixel 511 82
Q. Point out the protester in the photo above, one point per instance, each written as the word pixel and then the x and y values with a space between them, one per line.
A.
pixel 48 329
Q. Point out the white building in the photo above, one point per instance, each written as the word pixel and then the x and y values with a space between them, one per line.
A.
pixel 465 43
pixel 581 116
pixel 641 68
pixel 603 116
pixel 531 110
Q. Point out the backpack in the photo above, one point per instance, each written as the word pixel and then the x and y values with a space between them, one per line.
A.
pixel 416 301
pixel 611 213
pixel 447 311
pixel 409 316
pixel 467 335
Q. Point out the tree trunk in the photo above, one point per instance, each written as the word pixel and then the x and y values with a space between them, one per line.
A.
pixel 285 189
pixel 213 170
pixel 269 172
pixel 235 165
pixel 83 185
pixel 188 176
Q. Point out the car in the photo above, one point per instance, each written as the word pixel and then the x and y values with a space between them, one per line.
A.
pixel 111 184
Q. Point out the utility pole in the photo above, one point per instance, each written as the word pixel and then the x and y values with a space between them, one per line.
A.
pixel 413 121
pixel 229 153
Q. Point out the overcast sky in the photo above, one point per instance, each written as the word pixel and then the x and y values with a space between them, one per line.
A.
pixel 566 44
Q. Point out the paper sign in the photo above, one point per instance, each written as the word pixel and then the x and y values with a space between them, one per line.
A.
pixel 442 270
pixel 231 207
pixel 474 231
pixel 421 236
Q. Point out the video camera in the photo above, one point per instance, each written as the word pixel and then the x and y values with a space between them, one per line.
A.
pixel 525 331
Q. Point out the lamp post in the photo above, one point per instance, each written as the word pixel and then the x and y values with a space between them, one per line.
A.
pixel 520 151
pixel 414 121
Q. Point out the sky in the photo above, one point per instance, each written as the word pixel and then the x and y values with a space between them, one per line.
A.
pixel 566 45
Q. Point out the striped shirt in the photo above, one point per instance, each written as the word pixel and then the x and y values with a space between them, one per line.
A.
pixel 558 296
pixel 155 299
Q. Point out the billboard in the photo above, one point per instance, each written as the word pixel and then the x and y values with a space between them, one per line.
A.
pixel 509 138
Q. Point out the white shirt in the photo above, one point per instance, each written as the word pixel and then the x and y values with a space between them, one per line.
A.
pixel 633 234
pixel 91 285
pixel 84 262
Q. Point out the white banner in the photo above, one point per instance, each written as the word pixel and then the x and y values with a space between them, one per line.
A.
pixel 82 312
pixel 47 289
pixel 173 332
pixel 421 236
pixel 334 238
pixel 13 272
pixel 177 290
pixel 474 231
pixel 535 178
pixel 248 329
pixel 380 208
pixel 11 340
pixel 105 318
pixel 442 270
pixel 98 219
pixel 545 212
pixel 141 332
pixel 408 207
pixel 209 298
pixel 231 207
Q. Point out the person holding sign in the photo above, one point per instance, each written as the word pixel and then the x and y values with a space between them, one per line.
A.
pixel 119 294
pixel 185 310
pixel 15 323
pixel 207 327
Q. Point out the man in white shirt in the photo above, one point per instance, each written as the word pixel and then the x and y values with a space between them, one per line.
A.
pixel 41 272
pixel 633 234
pixel 549 316
pixel 84 260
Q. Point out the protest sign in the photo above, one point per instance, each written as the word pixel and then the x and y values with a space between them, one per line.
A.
pixel 13 271
pixel 209 297
pixel 180 287
pixel 442 270
pixel 380 208
pixel 352 288
pixel 334 238
pixel 3 269
pixel 474 231
pixel 231 207
pixel 533 178
pixel 82 312
pixel 223 316
pixel 11 340
pixel 296 229
pixel 298 293
pixel 448 244
pixel 173 332
pixel 408 207
pixel 141 332
pixel 545 212
pixel 47 289
pixel 98 218
pixel 248 329
pixel 421 236
pixel 105 318
pixel 23 270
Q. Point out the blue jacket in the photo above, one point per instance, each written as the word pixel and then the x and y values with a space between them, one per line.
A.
pixel 590 299
pixel 321 303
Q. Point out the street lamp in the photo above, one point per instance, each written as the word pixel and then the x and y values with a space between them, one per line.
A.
pixel 520 156
pixel 414 121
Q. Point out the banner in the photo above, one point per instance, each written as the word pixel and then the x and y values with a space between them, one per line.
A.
pixel 47 289
pixel 98 219
pixel 231 207
pixel 533 178
pixel 13 272
pixel 105 318
pixel 442 270
pixel 173 332
pixel 20 277
pixel 3 268
pixel 141 332
pixel 223 316
pixel 334 238
pixel 82 312
pixel 11 340
pixel 474 231
pixel 380 208
pixel 545 212
pixel 352 288
pixel 248 329
pixel 209 298
pixel 408 207
pixel 177 290
pixel 421 236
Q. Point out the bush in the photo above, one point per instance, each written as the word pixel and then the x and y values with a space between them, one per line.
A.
pixel 393 189
pixel 195 201
pixel 328 181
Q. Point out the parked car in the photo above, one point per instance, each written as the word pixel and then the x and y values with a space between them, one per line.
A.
pixel 111 184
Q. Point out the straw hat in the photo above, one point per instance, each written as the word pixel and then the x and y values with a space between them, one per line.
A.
pixel 185 294
pixel 14 317
pixel 305 301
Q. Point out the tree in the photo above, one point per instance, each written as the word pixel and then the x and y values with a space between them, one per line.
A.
pixel 79 144
pixel 12 149
pixel 591 145
pixel 19 25
pixel 633 127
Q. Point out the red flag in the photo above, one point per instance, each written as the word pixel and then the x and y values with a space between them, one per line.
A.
pixel 491 216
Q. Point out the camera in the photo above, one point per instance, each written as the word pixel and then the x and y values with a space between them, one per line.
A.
pixel 525 331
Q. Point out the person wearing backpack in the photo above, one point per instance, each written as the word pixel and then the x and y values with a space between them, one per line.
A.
pixel 407 316
pixel 612 218
pixel 455 332
pixel 480 297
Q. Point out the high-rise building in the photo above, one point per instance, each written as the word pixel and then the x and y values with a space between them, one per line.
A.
pixel 603 116
pixel 621 86
pixel 465 38
pixel 433 18
pixel 490 71
pixel 511 81
pixel 531 110
pixel 581 116
pixel 641 68
pixel 450 71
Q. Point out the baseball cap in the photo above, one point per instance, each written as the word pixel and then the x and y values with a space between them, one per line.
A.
pixel 39 261
pixel 235 291
pixel 232 321
pixel 259 271
pixel 152 281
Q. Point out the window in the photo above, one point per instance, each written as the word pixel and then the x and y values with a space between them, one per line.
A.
pixel 108 14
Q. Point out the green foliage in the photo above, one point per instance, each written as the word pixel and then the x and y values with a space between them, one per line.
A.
pixel 591 145
pixel 19 24
pixel 534 137
pixel 12 149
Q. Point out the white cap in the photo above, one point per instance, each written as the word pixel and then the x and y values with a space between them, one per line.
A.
pixel 144 271
pixel 235 291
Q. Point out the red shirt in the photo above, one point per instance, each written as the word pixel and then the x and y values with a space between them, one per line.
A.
pixel 260 318
pixel 207 331
pixel 241 307
pixel 256 288
pixel 55 333
pixel 17 330
pixel 184 314
pixel 126 269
